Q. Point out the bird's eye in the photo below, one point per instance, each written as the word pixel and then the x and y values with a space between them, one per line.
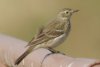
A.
pixel 67 12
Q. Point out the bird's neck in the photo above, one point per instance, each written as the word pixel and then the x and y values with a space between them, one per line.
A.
pixel 63 19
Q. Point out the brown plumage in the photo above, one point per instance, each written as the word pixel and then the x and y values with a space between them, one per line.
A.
pixel 51 35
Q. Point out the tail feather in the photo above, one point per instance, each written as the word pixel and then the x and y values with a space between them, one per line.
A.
pixel 22 56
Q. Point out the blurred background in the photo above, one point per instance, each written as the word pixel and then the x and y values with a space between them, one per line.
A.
pixel 21 19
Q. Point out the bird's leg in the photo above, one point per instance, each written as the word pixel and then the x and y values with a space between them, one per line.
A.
pixel 52 50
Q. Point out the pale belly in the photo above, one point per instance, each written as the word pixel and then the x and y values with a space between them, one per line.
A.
pixel 52 43
pixel 57 41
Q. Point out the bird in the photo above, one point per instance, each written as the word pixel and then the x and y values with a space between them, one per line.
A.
pixel 51 35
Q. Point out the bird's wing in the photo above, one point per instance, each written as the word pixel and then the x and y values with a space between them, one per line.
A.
pixel 55 28
pixel 51 31
pixel 39 32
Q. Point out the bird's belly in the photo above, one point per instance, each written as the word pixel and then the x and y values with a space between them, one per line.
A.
pixel 57 41
pixel 52 43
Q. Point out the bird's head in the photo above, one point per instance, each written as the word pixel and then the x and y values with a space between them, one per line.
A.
pixel 66 13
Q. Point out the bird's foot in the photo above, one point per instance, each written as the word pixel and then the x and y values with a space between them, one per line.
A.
pixel 55 51
pixel 52 52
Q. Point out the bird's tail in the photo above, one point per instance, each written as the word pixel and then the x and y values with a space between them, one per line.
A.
pixel 19 59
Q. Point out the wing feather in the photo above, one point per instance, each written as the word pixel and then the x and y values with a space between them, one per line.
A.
pixel 51 31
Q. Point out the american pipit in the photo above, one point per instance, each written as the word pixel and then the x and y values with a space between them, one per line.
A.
pixel 51 35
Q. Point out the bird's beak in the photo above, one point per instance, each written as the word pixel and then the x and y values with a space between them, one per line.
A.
pixel 74 11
